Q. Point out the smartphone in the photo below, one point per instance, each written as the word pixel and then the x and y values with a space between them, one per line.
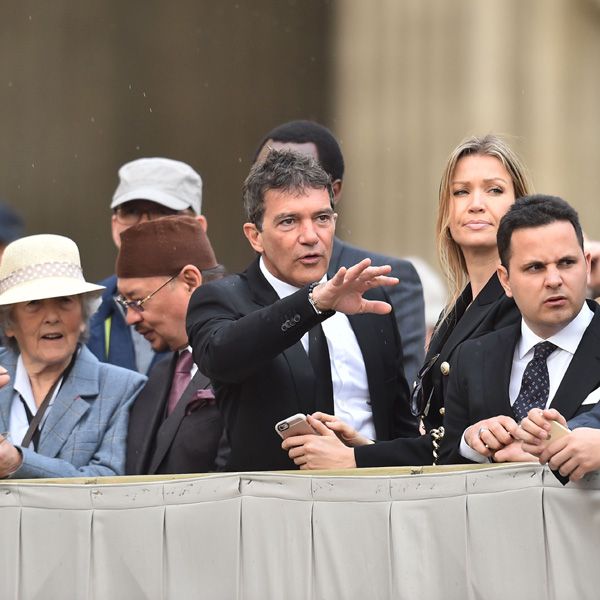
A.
pixel 294 425
pixel 557 431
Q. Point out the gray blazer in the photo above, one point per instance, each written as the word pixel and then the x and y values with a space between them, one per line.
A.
pixel 85 431
pixel 406 298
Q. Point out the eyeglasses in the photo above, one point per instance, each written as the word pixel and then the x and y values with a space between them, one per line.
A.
pixel 131 213
pixel 419 403
pixel 138 305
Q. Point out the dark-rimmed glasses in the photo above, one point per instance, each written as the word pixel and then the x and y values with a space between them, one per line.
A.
pixel 138 305
pixel 130 213
pixel 419 402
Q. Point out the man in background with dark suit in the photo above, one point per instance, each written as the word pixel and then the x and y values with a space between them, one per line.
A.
pixel 174 425
pixel 317 141
pixel 281 338
pixel 549 359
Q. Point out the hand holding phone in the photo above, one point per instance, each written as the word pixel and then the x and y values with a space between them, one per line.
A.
pixel 294 425
pixel 556 432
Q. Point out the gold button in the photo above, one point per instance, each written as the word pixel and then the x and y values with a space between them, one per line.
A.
pixel 445 368
pixel 442 411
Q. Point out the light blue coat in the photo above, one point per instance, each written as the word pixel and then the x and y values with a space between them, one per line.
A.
pixel 85 431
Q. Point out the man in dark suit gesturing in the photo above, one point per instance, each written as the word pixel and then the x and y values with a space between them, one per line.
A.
pixel 308 137
pixel 174 425
pixel 549 359
pixel 257 335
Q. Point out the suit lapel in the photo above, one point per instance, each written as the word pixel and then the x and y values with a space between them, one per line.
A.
pixel 149 411
pixel 497 369
pixel 301 371
pixel 167 431
pixel 69 404
pixel 262 291
pixel 475 313
pixel 583 374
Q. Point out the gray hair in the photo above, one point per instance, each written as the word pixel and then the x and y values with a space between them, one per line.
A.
pixel 282 170
pixel 89 303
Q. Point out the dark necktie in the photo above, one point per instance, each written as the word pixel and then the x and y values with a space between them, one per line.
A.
pixel 181 379
pixel 319 357
pixel 535 384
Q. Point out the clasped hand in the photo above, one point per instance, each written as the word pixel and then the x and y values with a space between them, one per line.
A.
pixel 497 438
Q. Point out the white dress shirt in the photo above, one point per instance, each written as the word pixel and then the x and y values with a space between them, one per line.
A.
pixel 351 400
pixel 566 342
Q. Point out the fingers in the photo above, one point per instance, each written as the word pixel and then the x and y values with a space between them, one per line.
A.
pixel 494 440
pixel 536 448
pixel 363 272
pixel 320 427
pixel 556 453
pixel 552 414
pixel 508 424
pixel 473 437
pixel 324 417
pixel 513 453
pixel 499 432
pixel 376 307
pixel 531 432
pixel 294 441
pixel 345 432
pixel 535 427
pixel 490 435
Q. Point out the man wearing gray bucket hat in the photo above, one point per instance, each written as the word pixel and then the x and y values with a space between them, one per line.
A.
pixel 149 188
pixel 65 414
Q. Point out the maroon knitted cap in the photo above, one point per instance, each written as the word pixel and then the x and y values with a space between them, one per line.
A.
pixel 163 247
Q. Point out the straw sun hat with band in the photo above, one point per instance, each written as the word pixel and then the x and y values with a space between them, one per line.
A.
pixel 42 266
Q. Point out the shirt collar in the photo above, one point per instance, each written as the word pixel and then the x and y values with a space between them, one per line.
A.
pixel 22 385
pixel 567 338
pixel 282 288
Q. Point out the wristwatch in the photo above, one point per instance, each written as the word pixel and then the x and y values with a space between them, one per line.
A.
pixel 311 287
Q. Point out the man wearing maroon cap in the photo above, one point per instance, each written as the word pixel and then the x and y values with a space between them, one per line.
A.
pixel 175 425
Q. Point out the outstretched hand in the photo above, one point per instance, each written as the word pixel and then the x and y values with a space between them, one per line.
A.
pixel 344 291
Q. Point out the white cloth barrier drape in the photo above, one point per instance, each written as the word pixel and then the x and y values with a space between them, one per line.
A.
pixel 505 532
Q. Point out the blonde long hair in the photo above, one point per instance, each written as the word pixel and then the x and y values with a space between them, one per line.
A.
pixel 450 255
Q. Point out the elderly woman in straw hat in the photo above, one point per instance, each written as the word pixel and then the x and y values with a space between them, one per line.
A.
pixel 64 413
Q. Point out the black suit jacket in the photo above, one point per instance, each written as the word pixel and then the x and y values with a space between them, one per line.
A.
pixel 479 388
pixel 406 299
pixel 491 310
pixel 189 440
pixel 247 341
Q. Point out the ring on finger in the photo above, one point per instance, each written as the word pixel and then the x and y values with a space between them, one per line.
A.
pixel 481 430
